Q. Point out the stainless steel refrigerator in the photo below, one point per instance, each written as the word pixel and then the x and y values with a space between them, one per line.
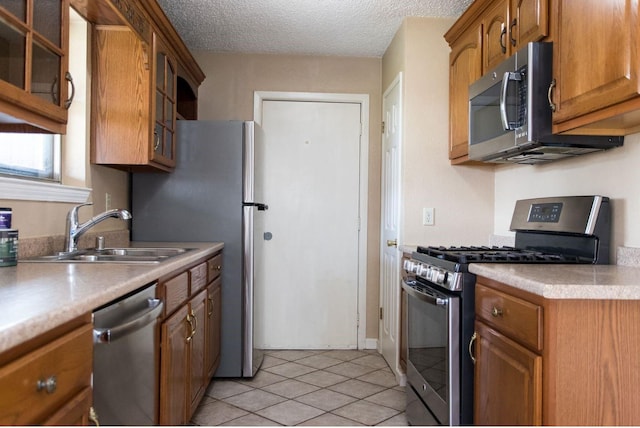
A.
pixel 210 197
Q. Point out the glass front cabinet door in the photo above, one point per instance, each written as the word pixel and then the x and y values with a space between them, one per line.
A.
pixel 165 105
pixel 35 86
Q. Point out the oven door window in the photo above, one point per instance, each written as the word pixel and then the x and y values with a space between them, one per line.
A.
pixel 433 342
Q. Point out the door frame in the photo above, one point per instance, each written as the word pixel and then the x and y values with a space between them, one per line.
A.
pixel 363 99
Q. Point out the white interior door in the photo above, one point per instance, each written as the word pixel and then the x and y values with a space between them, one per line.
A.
pixel 390 217
pixel 306 249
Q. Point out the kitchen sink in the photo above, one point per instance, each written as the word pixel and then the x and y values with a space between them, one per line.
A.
pixel 112 255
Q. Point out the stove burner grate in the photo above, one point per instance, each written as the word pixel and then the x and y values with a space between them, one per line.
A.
pixel 482 254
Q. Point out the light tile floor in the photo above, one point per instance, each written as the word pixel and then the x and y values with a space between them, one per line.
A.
pixel 321 388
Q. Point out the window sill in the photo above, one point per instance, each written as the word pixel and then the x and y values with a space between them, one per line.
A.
pixel 27 190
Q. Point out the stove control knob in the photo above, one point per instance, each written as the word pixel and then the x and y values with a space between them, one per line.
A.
pixel 421 271
pixel 416 268
pixel 407 265
pixel 442 277
pixel 428 273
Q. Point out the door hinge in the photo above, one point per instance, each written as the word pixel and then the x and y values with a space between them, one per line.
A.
pixel 380 313
pixel 383 127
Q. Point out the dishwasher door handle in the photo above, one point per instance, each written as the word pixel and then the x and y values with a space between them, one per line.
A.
pixel 109 334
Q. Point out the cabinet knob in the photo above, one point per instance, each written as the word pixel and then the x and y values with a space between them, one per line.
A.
pixel 392 242
pixel 496 312
pixel 48 385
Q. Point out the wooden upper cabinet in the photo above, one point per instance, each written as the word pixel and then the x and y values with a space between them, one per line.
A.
pixel 134 101
pixel 487 33
pixel 465 67
pixel 144 79
pixel 596 66
pixel 529 21
pixel 508 25
pixel 496 44
pixel 34 78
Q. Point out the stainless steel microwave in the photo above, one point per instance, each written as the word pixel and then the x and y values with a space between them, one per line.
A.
pixel 510 113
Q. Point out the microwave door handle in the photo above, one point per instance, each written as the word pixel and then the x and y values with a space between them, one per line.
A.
pixel 503 101
pixel 508 76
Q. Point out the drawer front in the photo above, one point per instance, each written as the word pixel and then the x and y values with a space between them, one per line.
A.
pixel 176 292
pixel 35 386
pixel 198 278
pixel 215 266
pixel 519 319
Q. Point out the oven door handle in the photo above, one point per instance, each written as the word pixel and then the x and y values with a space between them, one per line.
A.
pixel 425 297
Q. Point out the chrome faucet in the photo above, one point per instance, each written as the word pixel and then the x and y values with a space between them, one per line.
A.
pixel 75 230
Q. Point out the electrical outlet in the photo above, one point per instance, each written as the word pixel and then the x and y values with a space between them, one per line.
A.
pixel 427 216
pixel 107 201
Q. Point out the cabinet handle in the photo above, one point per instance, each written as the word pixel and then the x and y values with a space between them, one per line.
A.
pixel 156 142
pixel 93 416
pixel 49 385
pixel 503 33
pixel 496 312
pixel 210 301
pixel 193 325
pixel 513 25
pixel 552 85
pixel 190 320
pixel 473 339
pixel 69 100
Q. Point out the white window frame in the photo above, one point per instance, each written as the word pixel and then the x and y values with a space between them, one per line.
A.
pixel 31 190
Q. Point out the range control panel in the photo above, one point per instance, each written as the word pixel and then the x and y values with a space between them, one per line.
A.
pixel 545 213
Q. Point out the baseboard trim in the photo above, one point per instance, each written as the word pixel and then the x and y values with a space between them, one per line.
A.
pixel 371 344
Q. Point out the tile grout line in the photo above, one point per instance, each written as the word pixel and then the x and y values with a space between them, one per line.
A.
pixel 284 357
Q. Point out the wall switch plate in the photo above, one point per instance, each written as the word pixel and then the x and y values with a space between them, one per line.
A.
pixel 427 216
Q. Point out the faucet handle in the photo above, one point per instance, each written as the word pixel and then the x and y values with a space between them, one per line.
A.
pixel 73 212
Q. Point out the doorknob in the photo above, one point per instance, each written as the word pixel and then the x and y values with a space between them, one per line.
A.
pixel 392 242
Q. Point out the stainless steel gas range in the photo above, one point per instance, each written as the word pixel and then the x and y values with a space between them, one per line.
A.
pixel 441 292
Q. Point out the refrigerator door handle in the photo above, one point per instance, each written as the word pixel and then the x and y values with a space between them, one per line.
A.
pixel 261 207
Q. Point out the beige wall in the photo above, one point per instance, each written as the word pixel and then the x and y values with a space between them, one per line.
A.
pixel 227 94
pixel 38 219
pixel 463 197
pixel 614 173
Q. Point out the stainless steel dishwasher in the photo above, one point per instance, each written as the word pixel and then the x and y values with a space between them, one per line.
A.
pixel 125 359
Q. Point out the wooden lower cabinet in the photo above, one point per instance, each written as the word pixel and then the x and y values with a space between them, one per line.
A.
pixel 190 340
pixel 49 380
pixel 197 378
pixel 546 361
pixel 516 399
pixel 173 368
pixel 75 413
pixel 214 320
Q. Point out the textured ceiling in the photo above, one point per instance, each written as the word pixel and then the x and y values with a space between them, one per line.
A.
pixel 303 27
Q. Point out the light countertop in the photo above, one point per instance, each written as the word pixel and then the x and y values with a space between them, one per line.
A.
pixel 567 281
pixel 37 297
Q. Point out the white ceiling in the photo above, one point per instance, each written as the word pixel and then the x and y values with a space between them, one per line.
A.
pixel 361 28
